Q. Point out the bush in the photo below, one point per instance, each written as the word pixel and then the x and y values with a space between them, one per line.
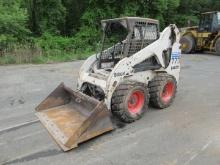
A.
pixel 49 42
pixel 87 38
pixel 7 42
pixel 7 60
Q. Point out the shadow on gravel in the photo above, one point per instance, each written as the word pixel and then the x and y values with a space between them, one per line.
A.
pixel 33 156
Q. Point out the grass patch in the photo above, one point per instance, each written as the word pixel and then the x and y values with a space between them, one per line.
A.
pixel 49 57
pixel 45 49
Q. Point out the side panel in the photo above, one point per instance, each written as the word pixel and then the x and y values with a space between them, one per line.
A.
pixel 203 40
pixel 174 65
pixel 85 69
pixel 191 33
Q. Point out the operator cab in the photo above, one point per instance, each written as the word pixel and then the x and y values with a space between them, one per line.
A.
pixel 123 37
pixel 209 22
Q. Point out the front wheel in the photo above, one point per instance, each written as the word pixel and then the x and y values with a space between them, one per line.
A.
pixel 162 90
pixel 187 44
pixel 130 101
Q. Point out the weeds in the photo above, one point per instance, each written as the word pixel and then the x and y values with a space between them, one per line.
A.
pixel 46 49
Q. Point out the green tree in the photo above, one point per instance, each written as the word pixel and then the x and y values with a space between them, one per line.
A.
pixel 12 23
pixel 170 11
pixel 74 11
pixel 46 16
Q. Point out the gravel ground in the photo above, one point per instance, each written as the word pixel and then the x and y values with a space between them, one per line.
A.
pixel 186 133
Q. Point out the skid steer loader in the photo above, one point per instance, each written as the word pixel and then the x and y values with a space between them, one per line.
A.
pixel 142 65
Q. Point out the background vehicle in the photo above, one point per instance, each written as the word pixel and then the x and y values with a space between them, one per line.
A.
pixel 206 36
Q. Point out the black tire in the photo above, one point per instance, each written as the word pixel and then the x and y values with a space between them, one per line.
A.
pixel 188 44
pixel 217 46
pixel 122 97
pixel 159 97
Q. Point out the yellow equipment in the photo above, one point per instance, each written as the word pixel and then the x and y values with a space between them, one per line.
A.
pixel 206 36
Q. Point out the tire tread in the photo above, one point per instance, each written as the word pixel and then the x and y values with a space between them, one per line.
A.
pixel 119 96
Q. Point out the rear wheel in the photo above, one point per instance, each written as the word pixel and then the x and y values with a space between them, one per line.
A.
pixel 217 46
pixel 162 90
pixel 187 44
pixel 130 101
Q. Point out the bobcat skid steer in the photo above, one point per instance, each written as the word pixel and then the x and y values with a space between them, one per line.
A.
pixel 142 65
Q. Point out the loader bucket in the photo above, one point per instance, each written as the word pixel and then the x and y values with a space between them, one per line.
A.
pixel 72 117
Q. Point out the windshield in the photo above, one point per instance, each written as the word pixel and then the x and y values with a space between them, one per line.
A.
pixel 114 33
pixel 113 43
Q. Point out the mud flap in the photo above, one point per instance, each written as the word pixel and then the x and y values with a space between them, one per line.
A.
pixel 72 117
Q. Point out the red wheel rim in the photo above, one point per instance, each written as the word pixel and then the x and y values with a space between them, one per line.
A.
pixel 136 102
pixel 167 92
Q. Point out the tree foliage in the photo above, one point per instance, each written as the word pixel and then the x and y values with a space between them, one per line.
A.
pixel 46 15
pixel 75 24
pixel 13 20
